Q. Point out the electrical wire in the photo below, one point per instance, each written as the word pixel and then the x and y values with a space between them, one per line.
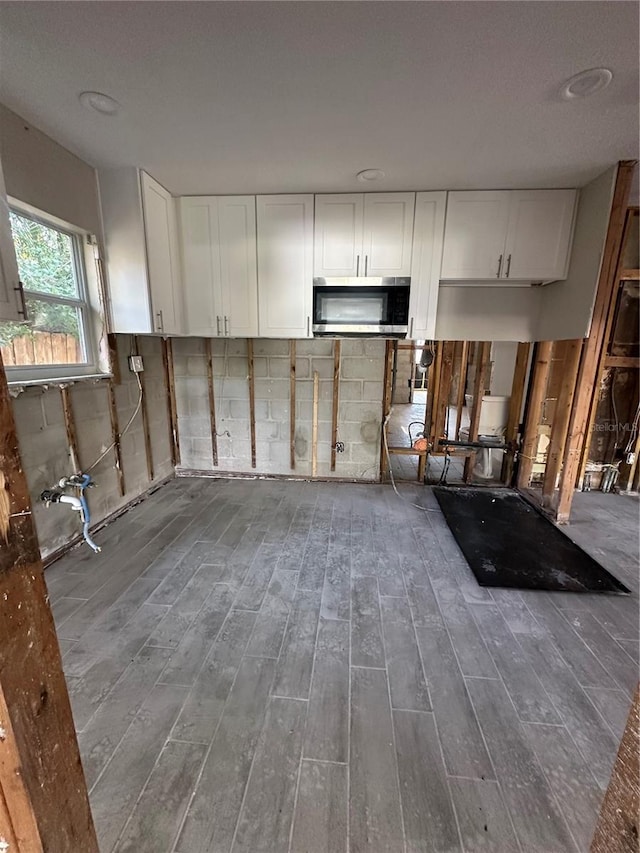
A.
pixel 393 480
pixel 129 422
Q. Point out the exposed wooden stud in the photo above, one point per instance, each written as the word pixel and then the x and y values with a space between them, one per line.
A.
pixel 212 400
pixel 70 427
pixel 42 789
pixel 539 378
pixel 314 424
pixel 483 354
pixel 115 437
pixel 444 388
pixel 252 400
pixel 578 433
pixel 622 361
pixel 631 476
pixel 292 404
pixel 412 376
pixel 518 390
pixel 146 427
pixel 462 384
pixel 114 362
pixel 386 404
pixel 561 417
pixel 172 408
pixel 611 315
pixel 629 275
pixel 433 390
pixel 617 827
pixel 336 394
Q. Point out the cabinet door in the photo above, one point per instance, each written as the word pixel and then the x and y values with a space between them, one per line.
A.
pixel 539 234
pixel 238 274
pixel 10 302
pixel 425 266
pixel 387 233
pixel 285 265
pixel 162 255
pixel 201 266
pixel 474 235
pixel 338 235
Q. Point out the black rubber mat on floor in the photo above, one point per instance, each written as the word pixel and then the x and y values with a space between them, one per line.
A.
pixel 508 543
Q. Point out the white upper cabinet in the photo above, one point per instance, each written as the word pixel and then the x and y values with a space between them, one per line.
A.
pixel 218 235
pixel 522 235
pixel 11 306
pixel 425 266
pixel 163 262
pixel 338 235
pixel 388 233
pixel 474 235
pixel 285 265
pixel 363 234
pixel 539 234
pixel 141 240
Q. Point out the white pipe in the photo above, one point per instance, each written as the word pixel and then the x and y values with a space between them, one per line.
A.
pixel 75 503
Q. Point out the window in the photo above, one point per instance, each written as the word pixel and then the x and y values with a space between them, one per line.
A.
pixel 58 340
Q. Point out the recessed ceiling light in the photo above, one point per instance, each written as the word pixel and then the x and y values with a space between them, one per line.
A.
pixel 100 103
pixel 367 175
pixel 586 83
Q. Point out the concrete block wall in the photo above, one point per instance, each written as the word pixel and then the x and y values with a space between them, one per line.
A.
pixel 45 453
pixel 359 412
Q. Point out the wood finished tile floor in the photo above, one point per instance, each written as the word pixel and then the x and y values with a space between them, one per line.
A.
pixel 269 666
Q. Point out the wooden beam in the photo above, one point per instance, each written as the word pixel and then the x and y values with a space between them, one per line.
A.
pixel 70 427
pixel 386 404
pixel 629 275
pixel 611 317
pixel 172 408
pixel 212 400
pixel 518 389
pixel 434 396
pixel 336 396
pixel 483 354
pixel 539 378
pixel 146 427
pixel 115 437
pixel 292 404
pixel 593 348
pixel 252 400
pixel 462 384
pixel 444 388
pixel 43 795
pixel 617 827
pixel 314 424
pixel 622 361
pixel 561 417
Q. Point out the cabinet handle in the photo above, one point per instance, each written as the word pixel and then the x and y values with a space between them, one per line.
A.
pixel 366 263
pixel 218 325
pixel 308 325
pixel 160 321
pixel 20 290
pixel 411 330
pixel 226 325
pixel 508 266
pixel 357 265
pixel 499 266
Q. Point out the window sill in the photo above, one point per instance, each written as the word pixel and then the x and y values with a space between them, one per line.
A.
pixel 16 386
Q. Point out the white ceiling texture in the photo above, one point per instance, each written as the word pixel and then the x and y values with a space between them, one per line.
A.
pixel 258 97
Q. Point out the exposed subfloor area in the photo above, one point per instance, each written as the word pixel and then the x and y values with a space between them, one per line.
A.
pixel 266 666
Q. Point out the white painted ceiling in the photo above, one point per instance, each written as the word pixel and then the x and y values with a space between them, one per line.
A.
pixel 233 97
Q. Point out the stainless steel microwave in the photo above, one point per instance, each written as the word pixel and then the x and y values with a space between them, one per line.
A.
pixel 366 306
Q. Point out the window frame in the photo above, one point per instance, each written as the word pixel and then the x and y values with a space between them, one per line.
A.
pixel 82 242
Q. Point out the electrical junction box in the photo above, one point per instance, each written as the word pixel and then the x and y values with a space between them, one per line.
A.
pixel 135 364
